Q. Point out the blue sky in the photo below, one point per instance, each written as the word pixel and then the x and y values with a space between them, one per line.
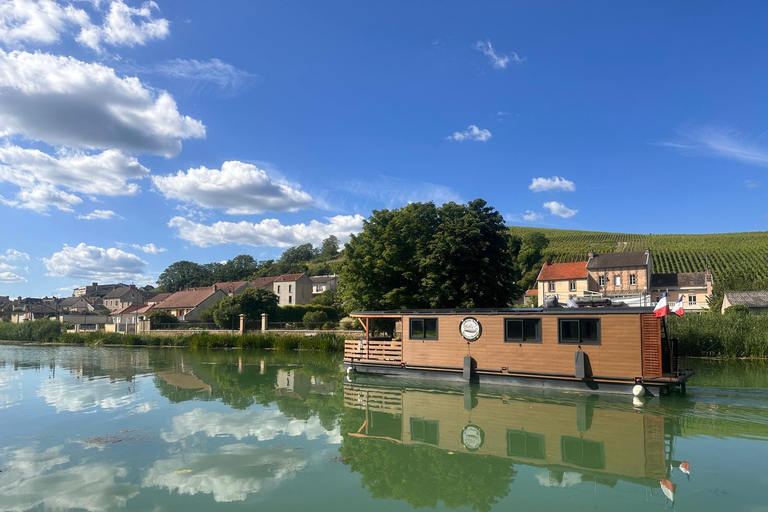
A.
pixel 136 134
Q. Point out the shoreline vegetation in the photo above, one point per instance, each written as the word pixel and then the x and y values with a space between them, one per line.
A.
pixel 738 335
pixel 51 331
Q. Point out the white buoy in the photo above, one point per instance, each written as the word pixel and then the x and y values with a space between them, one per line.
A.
pixel 638 402
pixel 638 390
pixel 350 370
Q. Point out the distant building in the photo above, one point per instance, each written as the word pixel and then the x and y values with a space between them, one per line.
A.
pixel 96 289
pixel 695 287
pixel 232 288
pixel 562 280
pixel 187 304
pixel 291 289
pixel 123 296
pixel 81 305
pixel 32 312
pixel 621 274
pixel 156 298
pixel 756 301
pixel 322 284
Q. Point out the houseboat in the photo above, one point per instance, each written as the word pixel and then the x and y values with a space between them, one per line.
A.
pixel 596 349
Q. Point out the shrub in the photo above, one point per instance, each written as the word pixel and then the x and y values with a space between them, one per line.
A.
pixel 313 318
pixel 157 318
pixel 737 309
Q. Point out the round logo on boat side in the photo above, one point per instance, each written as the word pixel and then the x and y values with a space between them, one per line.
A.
pixel 470 329
pixel 472 437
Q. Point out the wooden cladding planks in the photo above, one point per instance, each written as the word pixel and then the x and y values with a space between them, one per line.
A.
pixel 651 342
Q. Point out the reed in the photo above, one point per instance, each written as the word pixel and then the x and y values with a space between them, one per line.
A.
pixel 712 335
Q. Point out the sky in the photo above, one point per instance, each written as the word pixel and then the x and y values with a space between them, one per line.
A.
pixel 136 134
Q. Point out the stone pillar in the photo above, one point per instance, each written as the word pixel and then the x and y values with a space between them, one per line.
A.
pixel 264 318
pixel 240 364
pixel 242 324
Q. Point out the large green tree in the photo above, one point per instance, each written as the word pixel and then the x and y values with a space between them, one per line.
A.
pixel 184 274
pixel 427 256
pixel 252 303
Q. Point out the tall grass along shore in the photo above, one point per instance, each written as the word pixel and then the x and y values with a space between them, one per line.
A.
pixel 48 331
pixel 715 335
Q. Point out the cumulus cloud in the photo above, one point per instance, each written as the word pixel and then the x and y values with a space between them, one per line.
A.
pixel 472 133
pixel 39 196
pixel 14 255
pixel 99 215
pixel 125 26
pixel 64 101
pixel 10 277
pixel 238 188
pixel 90 263
pixel 723 143
pixel 531 216
pixel 553 183
pixel 559 209
pixel 68 393
pixel 148 248
pixel 37 21
pixel 268 232
pixel 498 60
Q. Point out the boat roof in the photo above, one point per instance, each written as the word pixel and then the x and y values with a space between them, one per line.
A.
pixel 599 310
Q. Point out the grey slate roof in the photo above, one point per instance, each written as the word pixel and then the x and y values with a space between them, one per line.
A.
pixel 683 280
pixel 618 260
pixel 758 299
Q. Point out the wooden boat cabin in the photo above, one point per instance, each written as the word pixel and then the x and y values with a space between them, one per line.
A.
pixel 610 349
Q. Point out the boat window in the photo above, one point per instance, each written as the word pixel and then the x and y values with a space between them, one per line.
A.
pixel 425 431
pixel 580 330
pixel 520 330
pixel 525 444
pixel 423 328
pixel 584 453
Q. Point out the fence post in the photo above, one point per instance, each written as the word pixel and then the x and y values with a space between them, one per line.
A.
pixel 242 324
pixel 264 322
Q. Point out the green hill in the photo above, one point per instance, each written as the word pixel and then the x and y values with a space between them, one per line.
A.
pixel 731 255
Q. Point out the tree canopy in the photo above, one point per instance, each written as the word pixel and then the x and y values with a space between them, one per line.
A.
pixel 427 256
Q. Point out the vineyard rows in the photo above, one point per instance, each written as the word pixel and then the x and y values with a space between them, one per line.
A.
pixel 727 253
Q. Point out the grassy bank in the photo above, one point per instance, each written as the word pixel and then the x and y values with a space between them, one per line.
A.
pixel 51 332
pixel 721 335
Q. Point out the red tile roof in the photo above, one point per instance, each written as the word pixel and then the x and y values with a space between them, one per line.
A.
pixel 558 271
pixel 159 297
pixel 529 293
pixel 187 298
pixel 229 286
pixel 261 282
pixel 288 277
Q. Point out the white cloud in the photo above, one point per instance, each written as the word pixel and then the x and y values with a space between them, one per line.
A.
pixel 6 266
pixel 559 209
pixel 268 232
pixel 499 60
pixel 553 183
pixel 14 255
pixel 64 101
pixel 224 76
pixel 501 113
pixel 471 133
pixel 238 189
pixel 566 479
pixel 38 197
pixel 99 215
pixel 531 216
pixel 37 21
pixel 396 192
pixel 148 248
pixel 10 277
pixel 91 263
pixel 723 143
pixel 125 26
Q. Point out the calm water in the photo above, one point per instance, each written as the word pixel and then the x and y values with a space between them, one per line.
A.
pixel 140 429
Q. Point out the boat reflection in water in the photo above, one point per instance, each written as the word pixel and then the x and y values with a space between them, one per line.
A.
pixel 463 446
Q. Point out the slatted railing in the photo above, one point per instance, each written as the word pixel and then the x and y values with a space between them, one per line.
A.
pixel 374 351
pixel 382 400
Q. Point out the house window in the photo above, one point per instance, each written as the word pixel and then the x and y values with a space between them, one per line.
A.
pixel 278 299
pixel 290 288
pixel 425 431
pixel 572 286
pixel 278 288
pixel 522 330
pixel 423 328
pixel 691 300
pixel 318 288
pixel 290 299
pixel 617 280
pixel 525 444
pixel 601 280
pixel 582 452
pixel 633 279
pixel 551 286
pixel 579 330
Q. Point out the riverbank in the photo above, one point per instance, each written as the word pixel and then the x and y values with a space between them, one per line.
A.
pixel 714 335
pixel 46 331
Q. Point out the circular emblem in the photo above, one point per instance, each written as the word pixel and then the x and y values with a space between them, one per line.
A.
pixel 470 329
pixel 472 437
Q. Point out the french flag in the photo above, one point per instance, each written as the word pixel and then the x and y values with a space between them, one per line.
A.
pixel 662 308
pixel 679 306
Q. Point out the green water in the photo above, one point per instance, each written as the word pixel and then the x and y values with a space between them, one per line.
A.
pixel 103 429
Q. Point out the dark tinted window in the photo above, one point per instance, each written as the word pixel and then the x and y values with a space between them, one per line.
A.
pixel 424 328
pixel 569 330
pixel 525 444
pixel 584 453
pixel 581 330
pixel 425 431
pixel 522 329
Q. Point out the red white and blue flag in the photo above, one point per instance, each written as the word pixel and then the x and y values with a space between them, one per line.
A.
pixel 661 309
pixel 678 309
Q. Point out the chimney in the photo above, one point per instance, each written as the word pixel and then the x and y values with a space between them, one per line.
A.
pixel 132 287
pixel 548 261
pixel 591 254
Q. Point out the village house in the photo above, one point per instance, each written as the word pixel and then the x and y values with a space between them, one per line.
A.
pixel 81 305
pixel 291 289
pixel 233 288
pixel 32 312
pixel 156 298
pixel 186 305
pixel 122 297
pixel 622 275
pixel 756 301
pixel 95 289
pixel 695 287
pixel 322 284
pixel 562 281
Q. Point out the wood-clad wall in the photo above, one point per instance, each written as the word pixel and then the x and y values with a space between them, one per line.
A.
pixel 618 355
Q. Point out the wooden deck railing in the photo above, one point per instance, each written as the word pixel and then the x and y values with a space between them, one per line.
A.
pixel 381 400
pixel 374 351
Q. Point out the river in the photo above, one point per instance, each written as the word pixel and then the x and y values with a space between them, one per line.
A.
pixel 102 429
